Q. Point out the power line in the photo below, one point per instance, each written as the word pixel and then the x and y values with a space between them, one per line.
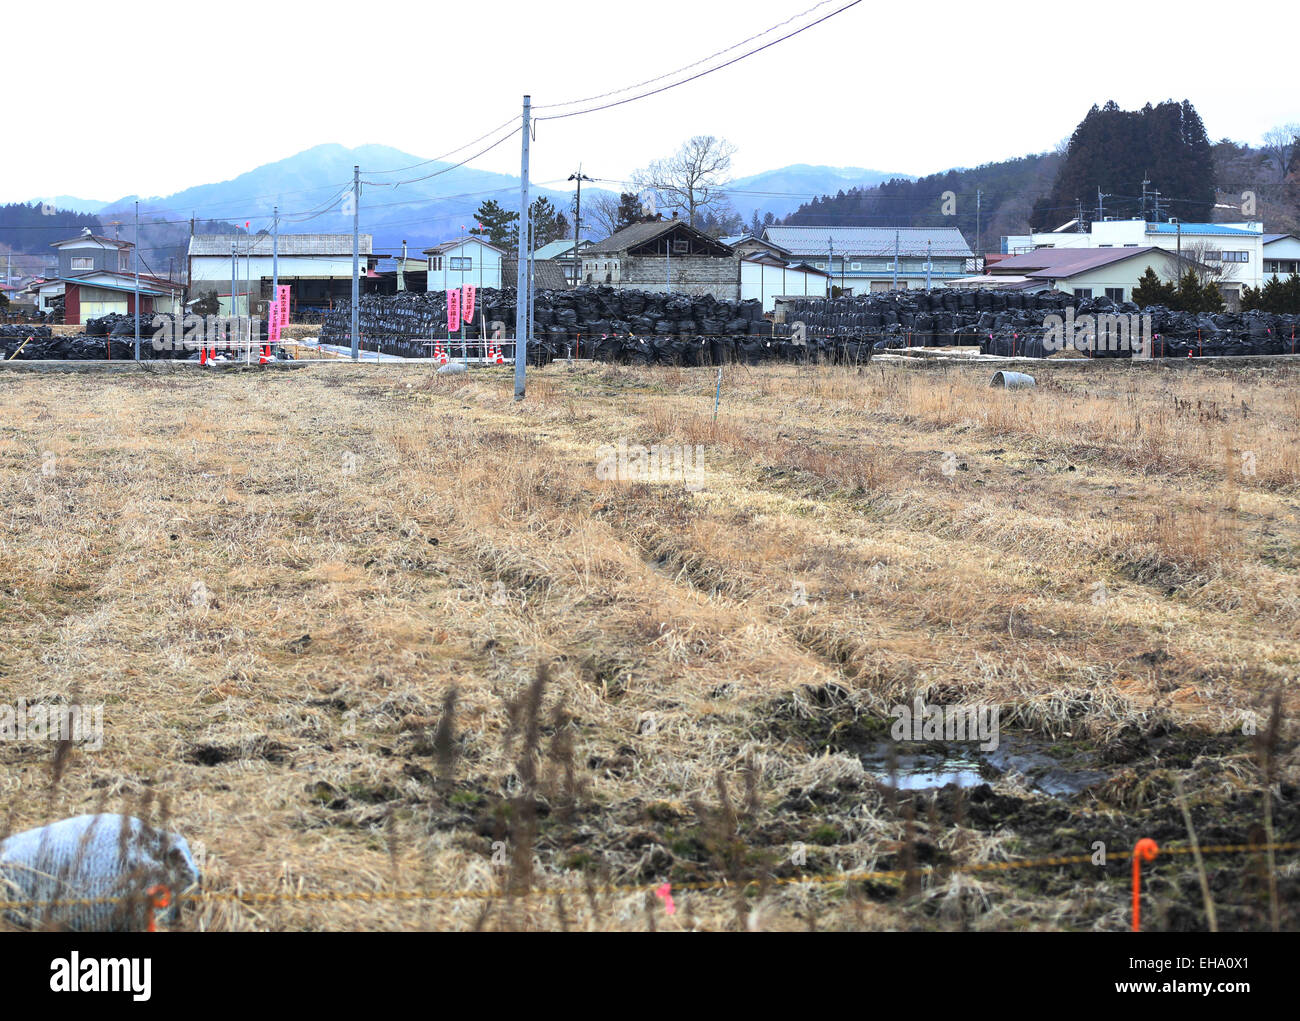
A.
pixel 704 60
pixel 447 170
pixel 700 74
pixel 450 152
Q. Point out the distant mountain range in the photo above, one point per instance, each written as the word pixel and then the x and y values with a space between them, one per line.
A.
pixel 431 204
pixel 784 190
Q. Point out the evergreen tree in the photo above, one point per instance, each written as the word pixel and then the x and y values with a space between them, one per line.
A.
pixel 1115 150
pixel 498 225
pixel 629 209
pixel 1291 298
pixel 1273 297
pixel 1151 290
pixel 1189 296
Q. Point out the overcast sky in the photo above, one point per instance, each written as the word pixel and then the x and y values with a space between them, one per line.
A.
pixel 908 87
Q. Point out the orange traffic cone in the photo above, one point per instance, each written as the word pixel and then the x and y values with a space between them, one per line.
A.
pixel 439 355
pixel 500 358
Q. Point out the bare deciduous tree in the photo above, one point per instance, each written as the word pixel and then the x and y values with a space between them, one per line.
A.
pixel 692 179
pixel 600 213
pixel 1208 263
pixel 1279 144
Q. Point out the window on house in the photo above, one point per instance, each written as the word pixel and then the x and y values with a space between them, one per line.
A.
pixel 1236 257
pixel 1213 256
pixel 461 262
pixel 1083 292
pixel 681 247
pixel 80 262
pixel 821 265
pixel 857 265
pixel 122 262
pixel 1117 293
pixel 435 264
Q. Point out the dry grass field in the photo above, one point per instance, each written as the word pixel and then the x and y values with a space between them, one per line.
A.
pixel 371 629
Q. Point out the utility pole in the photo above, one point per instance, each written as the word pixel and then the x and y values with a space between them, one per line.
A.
pixel 401 269
pixel 927 262
pixel 234 272
pixel 830 262
pixel 521 270
pixel 356 259
pixel 895 260
pixel 1101 208
pixel 577 221
pixel 275 252
pixel 135 258
pixel 1157 203
pixel 1145 181
pixel 978 196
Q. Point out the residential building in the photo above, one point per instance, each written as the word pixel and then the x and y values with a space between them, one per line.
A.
pixel 1082 272
pixel 663 255
pixel 1234 251
pixel 562 252
pixel 862 260
pixel 1281 256
pixel 465 260
pixel 96 277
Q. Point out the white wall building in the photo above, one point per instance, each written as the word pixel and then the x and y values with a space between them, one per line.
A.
pixel 467 260
pixel 1281 256
pixel 765 277
pixel 1236 249
pixel 318 267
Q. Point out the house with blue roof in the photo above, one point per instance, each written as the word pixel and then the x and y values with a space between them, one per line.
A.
pixel 1232 251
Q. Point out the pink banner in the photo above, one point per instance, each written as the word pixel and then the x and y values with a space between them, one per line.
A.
pixel 273 323
pixel 453 311
pixel 282 301
pixel 467 304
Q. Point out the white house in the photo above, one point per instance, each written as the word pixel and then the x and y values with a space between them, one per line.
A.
pixel 1235 249
pixel 465 260
pixel 1082 272
pixel 1281 256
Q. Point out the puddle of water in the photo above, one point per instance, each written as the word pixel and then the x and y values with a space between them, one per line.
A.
pixel 923 771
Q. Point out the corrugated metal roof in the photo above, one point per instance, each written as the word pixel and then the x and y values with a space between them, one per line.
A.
pixel 290 244
pixel 548 275
pixel 870 241
pixel 1200 228
pixel 557 248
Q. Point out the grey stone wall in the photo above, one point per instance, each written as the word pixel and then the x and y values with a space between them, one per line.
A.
pixel 691 274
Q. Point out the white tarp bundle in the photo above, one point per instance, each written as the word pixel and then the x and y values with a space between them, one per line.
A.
pixel 88 857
